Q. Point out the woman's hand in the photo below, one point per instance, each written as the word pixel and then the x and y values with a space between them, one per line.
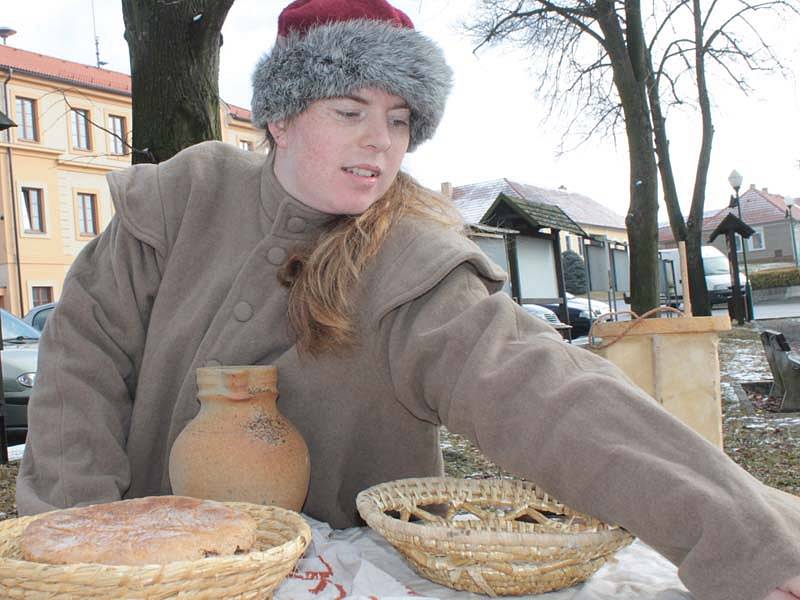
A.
pixel 788 591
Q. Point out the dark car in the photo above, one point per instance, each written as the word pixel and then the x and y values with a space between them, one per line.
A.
pixel 20 353
pixel 38 315
pixel 547 315
pixel 580 317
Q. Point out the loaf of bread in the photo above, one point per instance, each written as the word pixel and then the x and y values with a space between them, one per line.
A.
pixel 151 530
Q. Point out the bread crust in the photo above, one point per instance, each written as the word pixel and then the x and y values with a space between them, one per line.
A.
pixel 150 530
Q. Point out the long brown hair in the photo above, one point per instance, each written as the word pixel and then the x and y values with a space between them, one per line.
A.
pixel 322 276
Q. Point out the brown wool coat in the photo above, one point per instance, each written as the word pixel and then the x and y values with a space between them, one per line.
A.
pixel 184 276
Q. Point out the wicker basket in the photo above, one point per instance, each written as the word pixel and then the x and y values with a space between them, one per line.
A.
pixel 282 536
pixel 490 536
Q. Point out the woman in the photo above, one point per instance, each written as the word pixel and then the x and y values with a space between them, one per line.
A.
pixel 385 322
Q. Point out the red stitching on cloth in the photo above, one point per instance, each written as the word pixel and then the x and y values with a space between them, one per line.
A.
pixel 324 578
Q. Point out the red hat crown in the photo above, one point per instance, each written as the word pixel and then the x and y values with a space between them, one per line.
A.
pixel 302 15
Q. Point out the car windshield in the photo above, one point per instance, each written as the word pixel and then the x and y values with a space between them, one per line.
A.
pixel 716 265
pixel 16 330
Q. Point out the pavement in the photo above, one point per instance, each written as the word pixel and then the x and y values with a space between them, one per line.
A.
pixel 764 309
pixel 769 309
pixel 776 309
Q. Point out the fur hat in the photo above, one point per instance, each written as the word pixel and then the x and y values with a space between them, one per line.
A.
pixel 329 48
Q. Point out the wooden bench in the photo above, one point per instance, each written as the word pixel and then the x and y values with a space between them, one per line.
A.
pixel 785 367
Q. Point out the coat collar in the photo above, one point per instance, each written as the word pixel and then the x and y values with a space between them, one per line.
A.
pixel 289 217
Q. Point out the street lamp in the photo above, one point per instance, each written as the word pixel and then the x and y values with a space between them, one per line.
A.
pixel 5 123
pixel 789 204
pixel 735 179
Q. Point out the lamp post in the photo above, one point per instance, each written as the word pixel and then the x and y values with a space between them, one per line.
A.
pixel 5 123
pixel 735 179
pixel 789 204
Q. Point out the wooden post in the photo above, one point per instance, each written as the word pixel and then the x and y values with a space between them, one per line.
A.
pixel 687 296
pixel 739 308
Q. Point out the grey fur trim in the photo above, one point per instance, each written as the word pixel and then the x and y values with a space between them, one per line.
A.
pixel 337 58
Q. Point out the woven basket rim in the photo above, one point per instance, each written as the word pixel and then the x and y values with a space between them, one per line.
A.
pixel 294 545
pixel 370 510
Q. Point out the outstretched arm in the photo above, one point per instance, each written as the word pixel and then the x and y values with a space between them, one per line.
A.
pixel 89 358
pixel 573 423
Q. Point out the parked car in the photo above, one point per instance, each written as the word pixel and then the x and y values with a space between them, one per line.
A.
pixel 38 315
pixel 579 315
pixel 20 353
pixel 543 313
pixel 547 315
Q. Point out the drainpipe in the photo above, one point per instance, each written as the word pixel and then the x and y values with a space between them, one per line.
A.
pixel 13 198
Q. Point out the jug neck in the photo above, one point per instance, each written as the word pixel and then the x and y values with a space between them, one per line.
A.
pixel 238 383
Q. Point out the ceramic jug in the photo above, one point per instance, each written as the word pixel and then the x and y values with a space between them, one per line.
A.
pixel 239 447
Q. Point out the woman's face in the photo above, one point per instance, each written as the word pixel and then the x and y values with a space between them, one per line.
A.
pixel 341 154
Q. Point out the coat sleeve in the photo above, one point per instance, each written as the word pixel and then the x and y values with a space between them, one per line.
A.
pixel 571 422
pixel 89 358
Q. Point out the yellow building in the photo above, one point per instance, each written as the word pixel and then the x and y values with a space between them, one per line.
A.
pixel 72 128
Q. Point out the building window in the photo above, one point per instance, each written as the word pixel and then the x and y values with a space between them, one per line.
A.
pixel 32 210
pixel 26 120
pixel 42 295
pixel 246 145
pixel 80 129
pixel 87 214
pixel 754 242
pixel 118 137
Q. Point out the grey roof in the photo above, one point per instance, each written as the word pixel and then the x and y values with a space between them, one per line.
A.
pixel 543 215
pixel 731 223
pixel 475 199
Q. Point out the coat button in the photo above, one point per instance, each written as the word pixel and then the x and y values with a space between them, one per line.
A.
pixel 276 255
pixel 296 224
pixel 242 311
pixel 212 363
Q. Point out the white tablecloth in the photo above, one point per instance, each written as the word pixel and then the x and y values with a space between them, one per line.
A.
pixel 359 564
pixel 15 452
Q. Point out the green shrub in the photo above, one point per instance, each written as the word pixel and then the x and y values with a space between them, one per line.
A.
pixel 574 272
pixel 775 278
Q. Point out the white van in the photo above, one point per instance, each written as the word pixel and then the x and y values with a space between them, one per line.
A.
pixel 717 269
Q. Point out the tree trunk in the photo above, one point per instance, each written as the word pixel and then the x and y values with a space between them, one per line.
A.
pixel 697 278
pixel 174 54
pixel 692 235
pixel 668 187
pixel 694 263
pixel 630 76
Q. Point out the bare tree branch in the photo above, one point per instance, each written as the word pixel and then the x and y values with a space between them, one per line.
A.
pixel 595 64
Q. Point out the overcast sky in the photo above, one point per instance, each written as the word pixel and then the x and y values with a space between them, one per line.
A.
pixel 494 125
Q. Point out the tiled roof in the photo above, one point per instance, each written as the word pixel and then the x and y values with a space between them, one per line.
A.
pixel 239 113
pixel 758 208
pixel 545 215
pixel 581 209
pixel 66 71
pixel 63 70
pixel 475 199
pixel 731 223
